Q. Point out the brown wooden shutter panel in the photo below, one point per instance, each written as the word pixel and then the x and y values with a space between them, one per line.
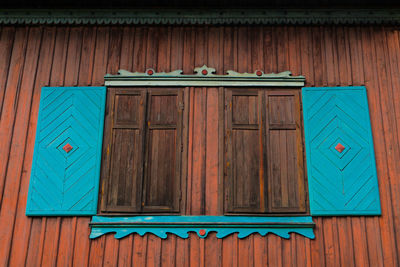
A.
pixel 244 161
pixel 163 151
pixel 124 151
pixel 285 152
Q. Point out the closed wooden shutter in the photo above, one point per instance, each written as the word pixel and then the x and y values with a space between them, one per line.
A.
pixel 263 152
pixel 66 164
pixel 163 151
pixel 285 152
pixel 340 154
pixel 141 171
pixel 124 151
pixel 245 159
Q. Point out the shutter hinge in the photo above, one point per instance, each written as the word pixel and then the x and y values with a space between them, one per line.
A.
pixel 181 106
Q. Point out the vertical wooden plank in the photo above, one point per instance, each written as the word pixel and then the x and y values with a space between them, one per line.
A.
pixel 81 243
pixel 299 244
pixel 33 243
pixel 174 249
pixel 211 164
pixel 342 67
pixel 57 78
pixel 100 56
pixel 15 167
pixel 343 57
pixel 194 252
pixel 212 244
pixel 139 250
pixel 68 225
pixel 243 59
pixel 22 223
pixel 96 250
pixel 393 59
pixel 74 56
pixel 379 133
pixel 199 132
pixel 212 250
pixel 281 39
pixel 6 46
pixel 360 242
pixel 96 253
pixel 275 250
pixel 87 55
pixel 127 48
pixel 270 55
pixel 10 98
pixel 229 243
pixel 188 62
pixel 329 224
pixel 168 251
pixel 384 97
pixel 288 253
pixel 113 62
pixel 111 251
pixel 139 52
pixel 126 63
pixel 317 245
pixel 317 55
pixel 153 251
pixel 125 251
pixel 306 55
pixel 260 251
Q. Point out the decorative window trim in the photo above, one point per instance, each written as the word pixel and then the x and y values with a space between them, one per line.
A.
pixel 203 77
pixel 202 226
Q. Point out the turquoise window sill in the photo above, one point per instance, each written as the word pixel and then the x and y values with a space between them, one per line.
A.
pixel 201 225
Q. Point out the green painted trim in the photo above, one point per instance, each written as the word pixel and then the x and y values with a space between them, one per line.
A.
pixel 200 17
pixel 201 225
pixel 203 76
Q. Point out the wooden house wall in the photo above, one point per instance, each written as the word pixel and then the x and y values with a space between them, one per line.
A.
pixel 32 57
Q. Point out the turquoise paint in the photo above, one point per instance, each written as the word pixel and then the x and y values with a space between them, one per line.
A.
pixel 340 183
pixel 183 225
pixel 67 183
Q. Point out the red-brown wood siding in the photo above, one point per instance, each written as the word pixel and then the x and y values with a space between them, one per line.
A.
pixel 32 57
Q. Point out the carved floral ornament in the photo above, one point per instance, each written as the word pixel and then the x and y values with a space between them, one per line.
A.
pixel 203 76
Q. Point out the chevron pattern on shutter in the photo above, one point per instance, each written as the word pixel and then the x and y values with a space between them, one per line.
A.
pixel 340 155
pixel 66 163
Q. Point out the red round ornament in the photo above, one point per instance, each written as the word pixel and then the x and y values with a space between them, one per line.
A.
pixel 202 232
pixel 204 72
pixel 150 72
pixel 259 73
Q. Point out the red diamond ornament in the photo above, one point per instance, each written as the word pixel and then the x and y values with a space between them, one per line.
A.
pixel 67 148
pixel 339 147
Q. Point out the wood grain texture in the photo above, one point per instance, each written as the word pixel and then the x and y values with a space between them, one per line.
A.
pixel 33 57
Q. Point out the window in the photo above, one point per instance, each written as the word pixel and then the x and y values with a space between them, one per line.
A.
pixel 261 160
pixel 142 151
pixel 263 152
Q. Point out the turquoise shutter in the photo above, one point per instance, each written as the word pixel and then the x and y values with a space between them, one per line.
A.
pixel 340 154
pixel 66 161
